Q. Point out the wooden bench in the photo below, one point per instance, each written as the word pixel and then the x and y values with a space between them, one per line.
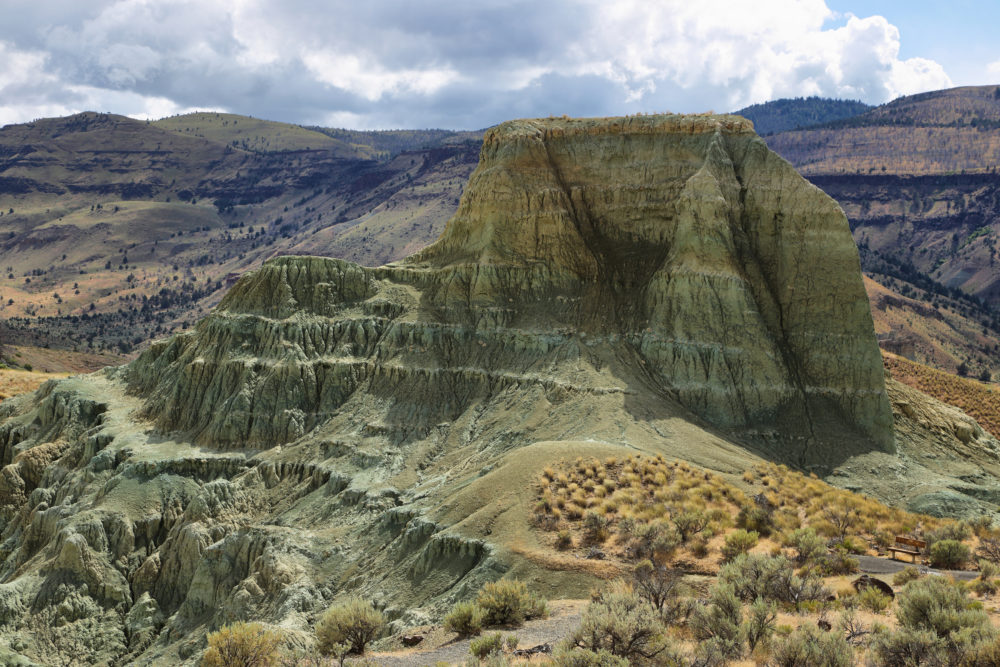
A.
pixel 909 546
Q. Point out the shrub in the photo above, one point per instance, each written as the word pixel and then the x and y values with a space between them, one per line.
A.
pixel 959 531
pixel 810 647
pixel 984 654
pixel 354 622
pixel 688 524
pixel 989 549
pixel 465 618
pixel 242 645
pixel 508 602
pixel 853 545
pixel 622 624
pixel 949 554
pixel 663 588
pixel 490 644
pixel 595 527
pixel 756 519
pixel 719 621
pixel 808 545
pixel 564 540
pixel 937 605
pixel 837 563
pixel 759 624
pixel 907 647
pixel 873 600
pixel 738 542
pixel 653 540
pixel 583 658
pixel 698 547
pixel 906 575
pixel 754 576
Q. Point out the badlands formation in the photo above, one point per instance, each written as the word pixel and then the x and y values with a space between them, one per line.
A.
pixel 660 284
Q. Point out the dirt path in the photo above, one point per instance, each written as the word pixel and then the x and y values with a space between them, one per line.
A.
pixel 875 565
pixel 564 617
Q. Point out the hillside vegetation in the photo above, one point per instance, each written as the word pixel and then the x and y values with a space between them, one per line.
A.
pixel 115 231
pixel 980 400
pixel 792 114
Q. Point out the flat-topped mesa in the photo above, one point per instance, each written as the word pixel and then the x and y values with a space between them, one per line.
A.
pixel 676 251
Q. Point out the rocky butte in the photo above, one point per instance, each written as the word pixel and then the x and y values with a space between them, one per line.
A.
pixel 663 284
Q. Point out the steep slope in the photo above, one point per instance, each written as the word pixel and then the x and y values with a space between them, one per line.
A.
pixel 658 284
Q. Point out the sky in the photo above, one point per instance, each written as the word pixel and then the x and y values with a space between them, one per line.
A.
pixel 468 64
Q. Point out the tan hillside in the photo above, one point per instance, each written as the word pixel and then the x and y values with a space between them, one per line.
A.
pixel 115 231
pixel 253 134
pixel 980 400
pixel 934 331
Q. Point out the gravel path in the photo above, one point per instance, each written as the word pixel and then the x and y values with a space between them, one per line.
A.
pixel 564 618
pixel 875 565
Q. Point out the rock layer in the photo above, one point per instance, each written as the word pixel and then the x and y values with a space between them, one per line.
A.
pixel 679 248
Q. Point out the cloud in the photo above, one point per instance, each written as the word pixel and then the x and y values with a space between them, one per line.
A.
pixel 451 63
pixel 994 69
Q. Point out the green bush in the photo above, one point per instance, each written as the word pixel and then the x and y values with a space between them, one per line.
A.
pixel 654 540
pixel 719 622
pixel 754 576
pixel 907 647
pixel 755 519
pixel 663 588
pixel 738 542
pixel 624 625
pixel 959 531
pixel 758 626
pixel 465 618
pixel 242 645
pixel 809 646
pixel 949 554
pixel 837 563
pixel 906 575
pixel 490 644
pixel 354 622
pixel 808 545
pixel 508 602
pixel 853 545
pixel 578 657
pixel 873 600
pixel 688 524
pixel 939 606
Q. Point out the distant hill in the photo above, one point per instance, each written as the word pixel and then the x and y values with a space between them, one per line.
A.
pixel 114 231
pixel 918 179
pixel 790 114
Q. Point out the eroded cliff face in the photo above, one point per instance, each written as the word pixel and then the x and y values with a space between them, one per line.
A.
pixel 658 283
pixel 679 249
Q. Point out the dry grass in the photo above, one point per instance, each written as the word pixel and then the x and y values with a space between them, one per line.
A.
pixel 977 399
pixel 600 503
pixel 14 382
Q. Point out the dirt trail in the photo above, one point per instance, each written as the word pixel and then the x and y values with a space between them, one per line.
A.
pixel 563 619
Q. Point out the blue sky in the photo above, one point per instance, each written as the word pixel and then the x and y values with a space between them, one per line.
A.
pixel 961 35
pixel 469 64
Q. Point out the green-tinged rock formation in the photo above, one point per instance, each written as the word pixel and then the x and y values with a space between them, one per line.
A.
pixel 663 284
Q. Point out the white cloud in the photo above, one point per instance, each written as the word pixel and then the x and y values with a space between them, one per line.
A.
pixel 994 69
pixel 450 63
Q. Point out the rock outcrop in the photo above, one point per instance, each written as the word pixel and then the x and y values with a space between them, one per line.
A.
pixel 664 284
pixel 678 249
